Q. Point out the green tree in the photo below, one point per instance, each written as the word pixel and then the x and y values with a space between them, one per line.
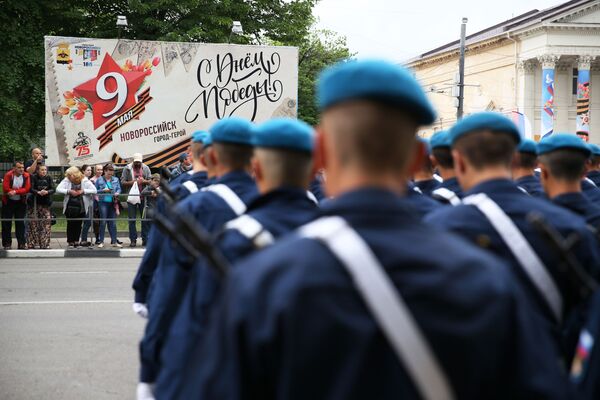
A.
pixel 320 49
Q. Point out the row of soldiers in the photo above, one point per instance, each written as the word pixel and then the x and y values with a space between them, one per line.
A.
pixel 395 285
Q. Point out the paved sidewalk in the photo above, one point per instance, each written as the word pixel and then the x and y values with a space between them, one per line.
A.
pixel 59 248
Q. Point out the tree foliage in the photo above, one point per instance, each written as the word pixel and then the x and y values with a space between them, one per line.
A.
pixel 26 22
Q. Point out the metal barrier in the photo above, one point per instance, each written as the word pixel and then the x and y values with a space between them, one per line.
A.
pixel 94 198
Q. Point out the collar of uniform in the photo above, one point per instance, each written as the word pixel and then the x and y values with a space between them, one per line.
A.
pixel 495 186
pixel 574 201
pixel 285 195
pixel 234 176
pixel 528 178
pixel 368 201
pixel 593 174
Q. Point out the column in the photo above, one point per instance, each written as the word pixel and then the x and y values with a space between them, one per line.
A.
pixel 548 62
pixel 583 96
pixel 526 95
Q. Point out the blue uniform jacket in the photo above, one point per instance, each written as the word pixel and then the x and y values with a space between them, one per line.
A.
pixel 316 187
pixel 279 212
pixel 585 369
pixel 453 185
pixel 532 185
pixel 156 239
pixel 291 325
pixel 172 274
pixel 421 204
pixel 595 177
pixel 427 186
pixel 590 191
pixel 580 204
pixel 468 221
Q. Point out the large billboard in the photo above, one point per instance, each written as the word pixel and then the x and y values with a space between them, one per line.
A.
pixel 107 99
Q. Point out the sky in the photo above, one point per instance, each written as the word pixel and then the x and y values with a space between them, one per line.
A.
pixel 399 30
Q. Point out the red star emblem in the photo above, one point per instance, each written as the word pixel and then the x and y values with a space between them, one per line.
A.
pixel 110 95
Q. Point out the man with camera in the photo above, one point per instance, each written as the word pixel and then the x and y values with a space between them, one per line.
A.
pixel 37 159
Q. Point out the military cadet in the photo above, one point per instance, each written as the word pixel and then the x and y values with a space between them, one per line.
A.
pixel 449 191
pixel 523 165
pixel 594 164
pixel 356 304
pixel 562 158
pixel 494 216
pixel 181 188
pixel 282 167
pixel 590 189
pixel 421 203
pixel 423 177
pixel 214 205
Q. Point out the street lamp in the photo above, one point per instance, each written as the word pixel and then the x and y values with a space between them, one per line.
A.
pixel 121 23
pixel 237 29
pixel 461 70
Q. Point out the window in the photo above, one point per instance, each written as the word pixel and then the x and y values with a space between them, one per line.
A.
pixel 574 81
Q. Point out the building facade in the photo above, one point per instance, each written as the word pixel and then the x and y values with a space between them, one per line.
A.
pixel 540 68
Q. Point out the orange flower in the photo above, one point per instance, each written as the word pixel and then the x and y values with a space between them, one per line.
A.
pixel 68 94
pixel 82 106
pixel 63 110
pixel 70 102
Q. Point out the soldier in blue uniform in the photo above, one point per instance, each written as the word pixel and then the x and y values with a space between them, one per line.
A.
pixel 299 320
pixel 494 216
pixel 181 189
pixel 594 164
pixel 423 177
pixel 562 158
pixel 524 163
pixel 214 205
pixel 441 158
pixel 282 167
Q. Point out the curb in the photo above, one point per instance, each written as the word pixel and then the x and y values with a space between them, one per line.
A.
pixel 73 253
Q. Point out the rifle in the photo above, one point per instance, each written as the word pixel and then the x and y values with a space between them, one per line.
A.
pixel 181 227
pixel 582 283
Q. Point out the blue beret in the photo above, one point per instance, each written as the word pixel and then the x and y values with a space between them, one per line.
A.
pixel 232 130
pixel 558 141
pixel 374 80
pixel 183 156
pixel 595 149
pixel 207 140
pixel 199 136
pixel 528 146
pixel 484 121
pixel 440 139
pixel 284 133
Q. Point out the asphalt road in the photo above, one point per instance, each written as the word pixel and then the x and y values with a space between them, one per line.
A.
pixel 67 330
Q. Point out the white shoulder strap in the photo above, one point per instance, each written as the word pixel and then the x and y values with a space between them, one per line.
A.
pixel 438 178
pixel 522 189
pixel 590 181
pixel 448 195
pixel 387 306
pixel 312 197
pixel 252 230
pixel 190 186
pixel 229 196
pixel 417 189
pixel 521 249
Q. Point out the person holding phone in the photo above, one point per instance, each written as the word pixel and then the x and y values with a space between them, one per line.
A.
pixel 109 187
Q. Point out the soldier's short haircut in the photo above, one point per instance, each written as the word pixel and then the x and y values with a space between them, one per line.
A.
pixel 443 156
pixel 375 136
pixel 565 164
pixel 595 161
pixel 485 149
pixel 196 150
pixel 527 160
pixel 285 167
pixel 234 156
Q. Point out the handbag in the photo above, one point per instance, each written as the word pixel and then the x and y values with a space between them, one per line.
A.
pixel 74 207
pixel 134 194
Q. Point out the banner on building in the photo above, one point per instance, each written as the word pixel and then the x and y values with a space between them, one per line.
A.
pixel 583 102
pixel 107 99
pixel 547 102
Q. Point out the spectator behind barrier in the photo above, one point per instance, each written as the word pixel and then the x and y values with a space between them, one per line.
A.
pixel 15 187
pixel 39 213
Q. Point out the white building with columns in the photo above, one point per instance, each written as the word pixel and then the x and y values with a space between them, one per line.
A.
pixel 540 68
